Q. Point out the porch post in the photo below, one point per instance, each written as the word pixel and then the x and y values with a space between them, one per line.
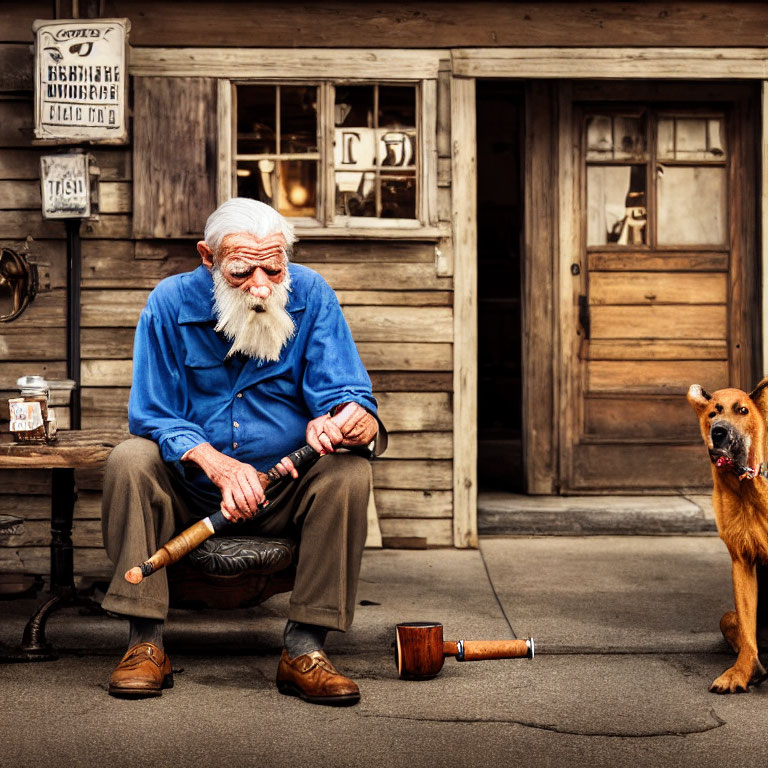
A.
pixel 464 216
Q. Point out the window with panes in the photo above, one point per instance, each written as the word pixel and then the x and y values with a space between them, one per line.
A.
pixel 334 153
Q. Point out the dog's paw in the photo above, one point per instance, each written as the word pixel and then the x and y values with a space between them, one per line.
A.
pixel 733 680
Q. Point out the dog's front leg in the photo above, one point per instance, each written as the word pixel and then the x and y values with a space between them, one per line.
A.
pixel 747 667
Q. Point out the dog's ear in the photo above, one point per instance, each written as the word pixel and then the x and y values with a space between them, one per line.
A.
pixel 759 396
pixel 699 398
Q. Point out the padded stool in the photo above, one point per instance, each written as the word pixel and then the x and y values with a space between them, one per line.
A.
pixel 233 572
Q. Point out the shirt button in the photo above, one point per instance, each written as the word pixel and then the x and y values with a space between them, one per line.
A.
pixel 234 445
pixel 235 424
pixel 240 394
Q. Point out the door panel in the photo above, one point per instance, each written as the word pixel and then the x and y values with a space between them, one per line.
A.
pixel 654 288
pixel 639 467
pixel 653 376
pixel 670 322
pixel 656 417
pixel 657 349
pixel 659 261
pixel 662 295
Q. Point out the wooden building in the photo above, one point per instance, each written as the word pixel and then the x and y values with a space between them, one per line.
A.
pixel 542 221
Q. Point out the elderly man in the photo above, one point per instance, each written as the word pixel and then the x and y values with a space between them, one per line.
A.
pixel 236 364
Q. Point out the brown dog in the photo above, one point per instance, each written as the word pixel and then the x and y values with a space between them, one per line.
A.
pixel 733 425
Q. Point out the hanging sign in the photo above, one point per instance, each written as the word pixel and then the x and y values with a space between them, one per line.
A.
pixel 66 185
pixel 81 80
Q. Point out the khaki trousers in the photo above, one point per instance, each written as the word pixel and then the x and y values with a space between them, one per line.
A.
pixel 325 509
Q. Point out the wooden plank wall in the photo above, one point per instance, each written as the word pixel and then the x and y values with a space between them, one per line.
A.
pixel 37 340
pixel 400 315
pixel 399 309
pixel 443 23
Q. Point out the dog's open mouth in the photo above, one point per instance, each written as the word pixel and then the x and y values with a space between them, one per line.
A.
pixel 726 463
pixel 721 460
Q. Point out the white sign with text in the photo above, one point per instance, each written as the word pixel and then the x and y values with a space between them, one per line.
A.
pixel 81 80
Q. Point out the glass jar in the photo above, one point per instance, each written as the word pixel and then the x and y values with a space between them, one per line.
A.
pixel 30 420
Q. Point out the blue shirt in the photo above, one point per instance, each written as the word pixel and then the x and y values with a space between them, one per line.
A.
pixel 185 392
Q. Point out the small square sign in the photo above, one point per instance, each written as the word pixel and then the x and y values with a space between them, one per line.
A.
pixel 65 184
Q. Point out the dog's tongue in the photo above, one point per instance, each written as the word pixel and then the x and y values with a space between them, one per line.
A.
pixel 723 461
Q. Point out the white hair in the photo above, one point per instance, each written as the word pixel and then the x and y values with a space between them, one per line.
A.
pixel 241 214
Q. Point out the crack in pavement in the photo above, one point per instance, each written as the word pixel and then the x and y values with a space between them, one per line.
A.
pixel 495 593
pixel 718 722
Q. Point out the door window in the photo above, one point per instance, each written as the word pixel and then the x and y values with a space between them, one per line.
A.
pixel 691 181
pixel 666 192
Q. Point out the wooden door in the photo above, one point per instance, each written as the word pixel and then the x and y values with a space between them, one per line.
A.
pixel 663 283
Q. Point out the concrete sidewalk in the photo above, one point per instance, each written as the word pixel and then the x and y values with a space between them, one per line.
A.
pixel 627 645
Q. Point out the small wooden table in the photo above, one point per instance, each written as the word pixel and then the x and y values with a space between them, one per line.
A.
pixel 75 449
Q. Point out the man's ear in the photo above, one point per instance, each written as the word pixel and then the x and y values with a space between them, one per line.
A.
pixel 206 254
pixel 699 398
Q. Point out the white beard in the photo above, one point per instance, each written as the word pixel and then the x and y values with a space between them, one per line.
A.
pixel 256 327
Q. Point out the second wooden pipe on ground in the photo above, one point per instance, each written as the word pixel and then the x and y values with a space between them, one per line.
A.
pixel 420 649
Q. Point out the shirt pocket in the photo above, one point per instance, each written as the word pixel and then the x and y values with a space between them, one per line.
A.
pixel 206 376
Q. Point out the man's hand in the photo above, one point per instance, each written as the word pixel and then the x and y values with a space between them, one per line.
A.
pixel 323 434
pixel 352 425
pixel 241 488
pixel 358 426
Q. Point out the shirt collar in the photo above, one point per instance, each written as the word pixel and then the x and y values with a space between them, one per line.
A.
pixel 197 288
pixel 197 296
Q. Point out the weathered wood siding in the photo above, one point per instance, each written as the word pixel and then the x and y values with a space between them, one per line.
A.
pixel 37 341
pixel 402 324
pixel 396 294
pixel 443 24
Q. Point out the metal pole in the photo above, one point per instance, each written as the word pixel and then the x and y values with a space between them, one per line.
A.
pixel 74 275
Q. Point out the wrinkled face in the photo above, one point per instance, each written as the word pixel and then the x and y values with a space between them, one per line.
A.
pixel 248 263
pixel 731 425
pixel 251 285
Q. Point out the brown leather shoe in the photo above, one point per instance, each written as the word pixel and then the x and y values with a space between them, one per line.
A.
pixel 315 679
pixel 144 671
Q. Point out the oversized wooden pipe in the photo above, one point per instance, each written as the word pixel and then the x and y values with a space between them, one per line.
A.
pixel 420 649
pixel 196 534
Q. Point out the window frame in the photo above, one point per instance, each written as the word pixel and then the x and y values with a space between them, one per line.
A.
pixel 327 223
